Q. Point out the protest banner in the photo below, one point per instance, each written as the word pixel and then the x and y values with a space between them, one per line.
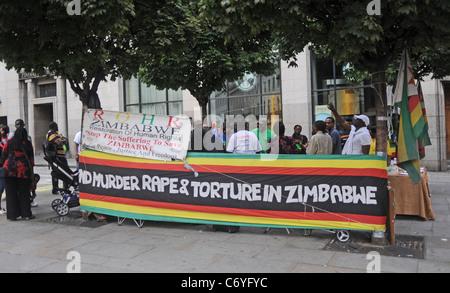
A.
pixel 136 135
pixel 294 191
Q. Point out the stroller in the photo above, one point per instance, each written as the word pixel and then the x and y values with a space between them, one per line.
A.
pixel 69 194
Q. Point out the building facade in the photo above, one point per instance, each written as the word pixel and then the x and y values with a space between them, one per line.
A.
pixel 295 95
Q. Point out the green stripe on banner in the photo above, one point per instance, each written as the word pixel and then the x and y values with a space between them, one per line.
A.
pixel 207 155
pixel 147 217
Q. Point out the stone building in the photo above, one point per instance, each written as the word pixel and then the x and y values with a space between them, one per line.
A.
pixel 296 95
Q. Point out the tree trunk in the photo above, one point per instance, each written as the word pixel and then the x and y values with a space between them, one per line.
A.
pixel 204 106
pixel 86 92
pixel 379 81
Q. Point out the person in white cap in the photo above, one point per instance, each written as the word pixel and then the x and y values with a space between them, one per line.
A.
pixel 359 139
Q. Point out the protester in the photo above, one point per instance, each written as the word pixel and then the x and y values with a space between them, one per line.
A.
pixel 358 141
pixel 4 133
pixel 243 141
pixel 335 136
pixel 4 130
pixel 320 142
pixel 17 160
pixel 281 144
pixel 213 138
pixel 215 131
pixel 57 141
pixel 299 139
pixel 77 147
pixel 224 134
pixel 344 134
pixel 263 133
pixel 19 123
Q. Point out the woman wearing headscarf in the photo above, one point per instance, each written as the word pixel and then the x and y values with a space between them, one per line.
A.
pixel 17 159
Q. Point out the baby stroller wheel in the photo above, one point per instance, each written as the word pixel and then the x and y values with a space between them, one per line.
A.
pixel 55 203
pixel 306 232
pixel 62 209
pixel 343 235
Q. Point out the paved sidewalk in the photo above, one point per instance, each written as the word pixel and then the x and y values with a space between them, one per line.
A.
pixel 47 243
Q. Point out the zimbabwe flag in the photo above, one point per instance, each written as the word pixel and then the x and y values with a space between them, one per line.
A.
pixel 412 123
pixel 424 138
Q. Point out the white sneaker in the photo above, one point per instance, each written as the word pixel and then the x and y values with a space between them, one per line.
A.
pixel 2 212
pixel 34 204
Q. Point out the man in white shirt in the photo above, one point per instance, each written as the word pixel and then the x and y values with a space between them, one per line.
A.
pixel 244 142
pixel 359 139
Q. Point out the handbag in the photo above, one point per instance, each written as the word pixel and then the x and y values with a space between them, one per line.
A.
pixel 49 148
pixel 30 166
pixel 12 164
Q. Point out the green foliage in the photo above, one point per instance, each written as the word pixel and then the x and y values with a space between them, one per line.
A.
pixel 40 35
pixel 343 29
pixel 179 48
pixel 198 45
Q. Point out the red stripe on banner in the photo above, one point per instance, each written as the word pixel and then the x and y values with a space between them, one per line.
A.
pixel 413 102
pixel 322 216
pixel 372 172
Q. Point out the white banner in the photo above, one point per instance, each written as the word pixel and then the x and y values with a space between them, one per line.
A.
pixel 136 135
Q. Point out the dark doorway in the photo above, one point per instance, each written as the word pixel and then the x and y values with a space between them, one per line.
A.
pixel 3 120
pixel 43 115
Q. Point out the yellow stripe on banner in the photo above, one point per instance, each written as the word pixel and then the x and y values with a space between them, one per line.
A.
pixel 416 114
pixel 257 162
pixel 231 218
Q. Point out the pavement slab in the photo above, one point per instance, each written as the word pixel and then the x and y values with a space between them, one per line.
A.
pixel 42 245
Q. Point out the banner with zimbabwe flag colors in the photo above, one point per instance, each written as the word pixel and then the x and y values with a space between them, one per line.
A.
pixel 293 191
pixel 413 126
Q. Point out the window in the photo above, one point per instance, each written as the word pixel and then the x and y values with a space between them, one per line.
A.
pixel 331 84
pixel 141 98
pixel 253 94
pixel 47 90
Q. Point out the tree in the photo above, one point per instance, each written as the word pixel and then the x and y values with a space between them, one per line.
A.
pixel 345 31
pixel 41 36
pixel 179 48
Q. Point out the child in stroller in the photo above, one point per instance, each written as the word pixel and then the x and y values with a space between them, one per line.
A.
pixel 69 194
